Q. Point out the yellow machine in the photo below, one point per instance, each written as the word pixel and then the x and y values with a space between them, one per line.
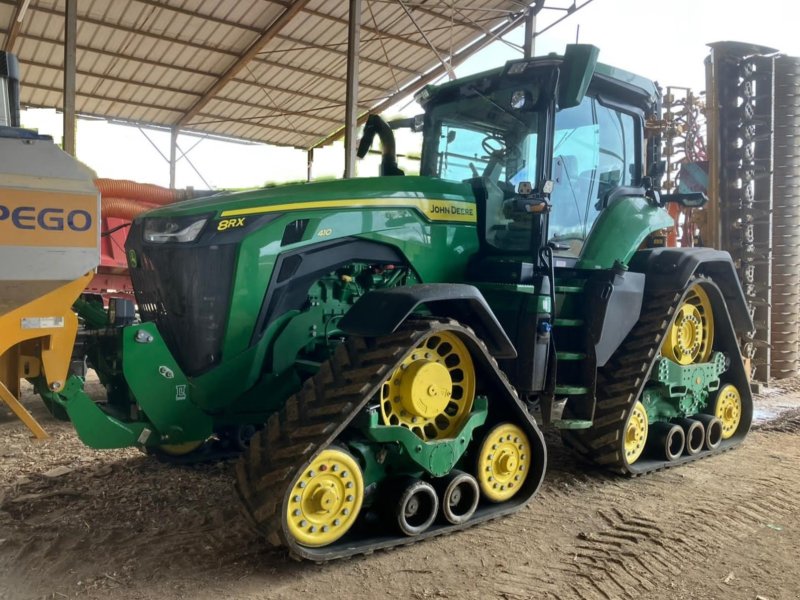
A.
pixel 49 247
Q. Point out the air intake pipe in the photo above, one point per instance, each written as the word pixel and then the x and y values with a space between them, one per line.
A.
pixel 9 90
pixel 377 125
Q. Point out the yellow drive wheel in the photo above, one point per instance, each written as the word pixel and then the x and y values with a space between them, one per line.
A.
pixel 432 391
pixel 180 449
pixel 325 499
pixel 503 462
pixel 691 336
pixel 727 407
pixel 636 433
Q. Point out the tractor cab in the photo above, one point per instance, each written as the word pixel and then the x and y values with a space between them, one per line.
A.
pixel 549 146
pixel 546 144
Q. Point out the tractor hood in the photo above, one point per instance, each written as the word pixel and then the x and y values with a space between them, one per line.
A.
pixel 345 193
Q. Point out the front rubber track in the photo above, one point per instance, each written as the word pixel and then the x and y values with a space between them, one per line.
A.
pixel 621 382
pixel 312 419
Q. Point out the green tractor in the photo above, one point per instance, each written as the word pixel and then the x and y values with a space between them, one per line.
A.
pixel 376 348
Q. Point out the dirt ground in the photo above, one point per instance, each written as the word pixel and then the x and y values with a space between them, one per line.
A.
pixel 116 524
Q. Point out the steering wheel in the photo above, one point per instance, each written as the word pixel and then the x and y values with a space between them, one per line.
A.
pixel 495 146
pixel 497 149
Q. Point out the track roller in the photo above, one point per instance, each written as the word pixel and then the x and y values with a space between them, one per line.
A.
pixel 325 499
pixel 713 428
pixel 695 434
pixel 666 440
pixel 503 462
pixel 416 506
pixel 727 407
pixel 459 495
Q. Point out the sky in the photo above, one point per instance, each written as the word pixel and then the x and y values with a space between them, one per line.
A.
pixel 664 40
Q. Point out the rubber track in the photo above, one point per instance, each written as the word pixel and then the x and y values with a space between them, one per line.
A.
pixel 312 419
pixel 621 382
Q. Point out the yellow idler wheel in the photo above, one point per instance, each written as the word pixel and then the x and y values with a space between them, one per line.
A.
pixel 636 433
pixel 180 449
pixel 728 409
pixel 504 460
pixel 325 499
pixel 432 391
pixel 691 336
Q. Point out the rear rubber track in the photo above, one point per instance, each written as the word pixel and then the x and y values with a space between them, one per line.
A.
pixel 622 380
pixel 312 419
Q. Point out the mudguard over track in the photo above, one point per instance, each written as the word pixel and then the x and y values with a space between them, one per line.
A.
pixel 621 381
pixel 312 419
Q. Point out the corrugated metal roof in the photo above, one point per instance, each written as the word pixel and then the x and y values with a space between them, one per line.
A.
pixel 170 62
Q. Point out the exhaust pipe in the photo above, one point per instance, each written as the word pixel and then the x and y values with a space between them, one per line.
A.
pixel 376 125
pixel 666 440
pixel 416 506
pixel 459 494
pixel 713 430
pixel 695 434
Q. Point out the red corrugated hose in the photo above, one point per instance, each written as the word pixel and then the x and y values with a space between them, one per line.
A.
pixel 143 192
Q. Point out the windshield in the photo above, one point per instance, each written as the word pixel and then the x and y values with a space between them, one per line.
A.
pixel 484 132
pixel 491 134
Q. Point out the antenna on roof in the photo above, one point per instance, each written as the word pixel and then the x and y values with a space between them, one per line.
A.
pixel 577 32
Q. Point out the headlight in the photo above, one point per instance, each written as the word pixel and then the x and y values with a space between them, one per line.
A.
pixel 179 229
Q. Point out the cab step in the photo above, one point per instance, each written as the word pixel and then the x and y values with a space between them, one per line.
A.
pixel 571 390
pixel 570 355
pixel 569 289
pixel 572 424
pixel 568 322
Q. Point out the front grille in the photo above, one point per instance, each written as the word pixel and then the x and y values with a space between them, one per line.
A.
pixel 185 289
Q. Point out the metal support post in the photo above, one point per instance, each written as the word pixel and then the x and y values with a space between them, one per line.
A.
pixel 173 150
pixel 351 106
pixel 70 57
pixel 530 32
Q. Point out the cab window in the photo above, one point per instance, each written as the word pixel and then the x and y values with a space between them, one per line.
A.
pixel 594 151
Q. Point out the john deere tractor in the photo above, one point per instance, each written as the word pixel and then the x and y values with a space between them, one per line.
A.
pixel 378 348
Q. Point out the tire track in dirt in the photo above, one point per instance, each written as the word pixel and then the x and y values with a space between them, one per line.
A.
pixel 637 548
pixel 587 535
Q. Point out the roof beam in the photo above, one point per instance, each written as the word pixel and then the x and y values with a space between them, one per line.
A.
pixel 336 78
pixel 137 31
pixel 160 88
pixel 431 75
pixel 267 36
pixel 252 122
pixel 304 45
pixel 438 15
pixel 242 60
pixel 154 63
pixel 150 105
pixel 16 25
pixel 370 30
pixel 101 98
pixel 243 26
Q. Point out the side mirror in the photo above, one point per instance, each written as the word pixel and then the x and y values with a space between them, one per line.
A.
pixel 657 170
pixel 580 61
pixel 414 123
pixel 687 200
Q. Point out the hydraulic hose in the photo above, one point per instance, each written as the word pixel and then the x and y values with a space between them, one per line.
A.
pixel 123 208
